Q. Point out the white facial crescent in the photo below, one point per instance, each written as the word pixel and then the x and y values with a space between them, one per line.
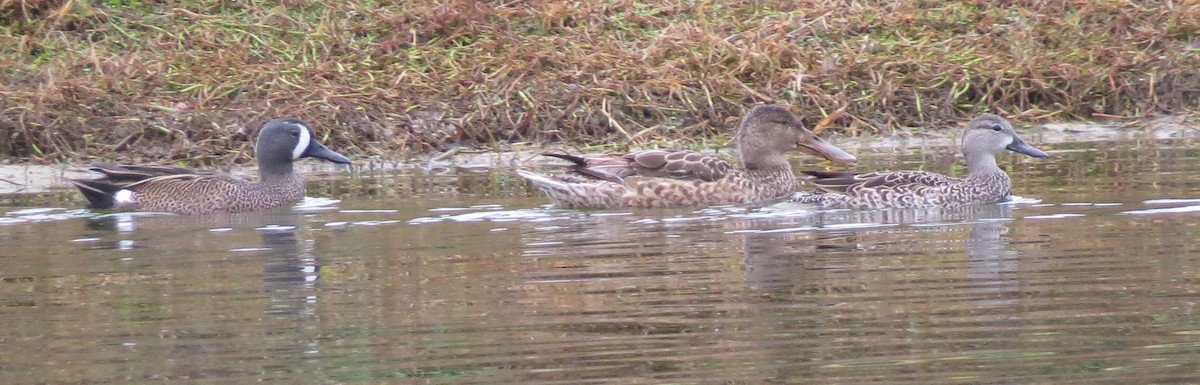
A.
pixel 302 144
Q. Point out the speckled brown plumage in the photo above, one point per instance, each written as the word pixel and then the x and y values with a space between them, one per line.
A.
pixel 658 178
pixel 187 191
pixel 984 136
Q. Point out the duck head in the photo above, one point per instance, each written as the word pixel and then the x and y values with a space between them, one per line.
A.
pixel 769 131
pixel 990 134
pixel 287 140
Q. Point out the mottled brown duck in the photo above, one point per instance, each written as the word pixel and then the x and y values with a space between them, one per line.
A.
pixel 984 137
pixel 660 178
pixel 185 191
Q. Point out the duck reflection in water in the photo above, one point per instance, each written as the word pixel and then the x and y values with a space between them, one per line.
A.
pixel 289 269
pixel 830 257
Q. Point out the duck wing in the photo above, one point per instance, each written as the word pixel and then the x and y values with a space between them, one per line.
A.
pixel 101 191
pixel 679 165
pixel 130 173
pixel 843 182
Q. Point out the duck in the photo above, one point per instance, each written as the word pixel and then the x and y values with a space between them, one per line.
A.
pixel 280 142
pixel 985 136
pixel 680 178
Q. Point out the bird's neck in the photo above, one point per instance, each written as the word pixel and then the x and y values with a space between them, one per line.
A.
pixel 981 164
pixel 275 172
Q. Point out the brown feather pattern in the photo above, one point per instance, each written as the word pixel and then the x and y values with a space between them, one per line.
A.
pixel 904 189
pixel 186 191
pixel 664 178
pixel 984 136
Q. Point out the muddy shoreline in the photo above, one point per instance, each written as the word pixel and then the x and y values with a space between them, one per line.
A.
pixel 89 79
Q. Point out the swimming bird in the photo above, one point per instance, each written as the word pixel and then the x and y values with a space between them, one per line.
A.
pixel 984 137
pixel 661 178
pixel 178 190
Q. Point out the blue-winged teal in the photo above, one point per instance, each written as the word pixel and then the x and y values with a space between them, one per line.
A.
pixel 186 191
pixel 984 136
pixel 658 178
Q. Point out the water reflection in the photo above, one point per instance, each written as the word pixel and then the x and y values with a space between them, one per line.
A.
pixel 468 279
pixel 991 265
pixel 166 245
pixel 289 267
pixel 780 260
pixel 290 271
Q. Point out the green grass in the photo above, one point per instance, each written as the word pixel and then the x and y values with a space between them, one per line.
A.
pixel 192 80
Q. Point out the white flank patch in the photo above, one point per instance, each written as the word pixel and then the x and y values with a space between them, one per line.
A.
pixel 302 145
pixel 124 197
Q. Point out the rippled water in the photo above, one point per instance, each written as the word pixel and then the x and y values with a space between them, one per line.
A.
pixel 1090 276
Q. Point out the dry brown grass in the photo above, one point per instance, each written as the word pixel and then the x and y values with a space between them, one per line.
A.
pixel 191 80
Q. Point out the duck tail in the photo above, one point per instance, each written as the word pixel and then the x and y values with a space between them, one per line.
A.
pixel 543 182
pixel 577 160
pixel 98 192
pixel 568 190
pixel 581 167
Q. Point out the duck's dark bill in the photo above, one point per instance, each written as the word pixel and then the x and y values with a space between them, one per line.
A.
pixel 1021 147
pixel 318 150
pixel 816 146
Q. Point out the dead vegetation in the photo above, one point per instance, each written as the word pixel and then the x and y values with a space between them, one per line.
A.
pixel 191 80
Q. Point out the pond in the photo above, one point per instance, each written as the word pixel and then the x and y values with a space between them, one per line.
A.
pixel 462 275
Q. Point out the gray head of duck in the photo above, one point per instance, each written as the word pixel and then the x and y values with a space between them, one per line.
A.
pixel 769 131
pixel 283 141
pixel 989 134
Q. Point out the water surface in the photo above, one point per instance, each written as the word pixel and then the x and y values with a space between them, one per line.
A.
pixel 453 276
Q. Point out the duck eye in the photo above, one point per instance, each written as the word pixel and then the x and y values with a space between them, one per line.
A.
pixel 996 128
pixel 295 134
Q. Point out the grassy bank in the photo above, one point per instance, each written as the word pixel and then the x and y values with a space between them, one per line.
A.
pixel 193 79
